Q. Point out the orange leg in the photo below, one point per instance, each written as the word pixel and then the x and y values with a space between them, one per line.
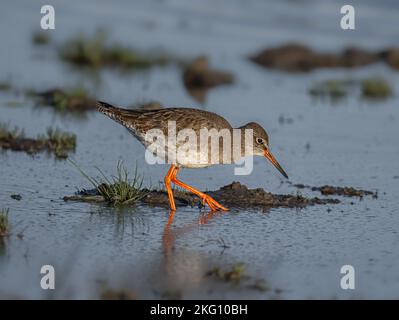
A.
pixel 213 204
pixel 168 178
pixel 170 219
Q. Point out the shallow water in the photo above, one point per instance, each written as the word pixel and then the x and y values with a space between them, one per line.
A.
pixel 298 253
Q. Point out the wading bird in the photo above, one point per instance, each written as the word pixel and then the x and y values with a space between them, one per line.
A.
pixel 139 122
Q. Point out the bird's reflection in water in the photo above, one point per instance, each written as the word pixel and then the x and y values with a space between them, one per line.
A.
pixel 183 268
pixel 169 235
pixel 124 219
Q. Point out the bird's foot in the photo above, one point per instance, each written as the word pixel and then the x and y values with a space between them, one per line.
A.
pixel 212 203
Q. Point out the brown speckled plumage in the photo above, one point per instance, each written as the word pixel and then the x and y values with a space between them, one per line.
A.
pixel 144 120
pixel 140 121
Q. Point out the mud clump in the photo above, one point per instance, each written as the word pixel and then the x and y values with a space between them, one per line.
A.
pixel 75 100
pixel 157 198
pixel 5 86
pixel 41 38
pixel 353 57
pixel 17 197
pixel 338 191
pixel 391 57
pixel 299 58
pixel 110 294
pixel 54 141
pixel 234 195
pixel 291 57
pixel 345 191
pixel 198 77
pixel 238 195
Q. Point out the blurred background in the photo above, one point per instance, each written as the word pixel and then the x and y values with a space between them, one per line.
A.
pixel 327 97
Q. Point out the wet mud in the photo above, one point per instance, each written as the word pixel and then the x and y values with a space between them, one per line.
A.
pixel 198 77
pixel 234 195
pixel 339 191
pixel 295 57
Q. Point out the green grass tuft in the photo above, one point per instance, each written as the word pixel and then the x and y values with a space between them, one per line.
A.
pixel 376 88
pixel 119 189
pixel 96 52
pixel 370 88
pixel 333 89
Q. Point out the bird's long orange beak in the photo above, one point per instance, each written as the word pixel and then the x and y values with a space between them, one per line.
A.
pixel 273 160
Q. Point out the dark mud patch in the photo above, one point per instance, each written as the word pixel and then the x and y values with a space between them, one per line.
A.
pixel 299 58
pixel 74 100
pixel 5 86
pixel 339 191
pixel 17 197
pixel 41 38
pixel 110 294
pixel 54 141
pixel 198 77
pixel 391 57
pixel 234 195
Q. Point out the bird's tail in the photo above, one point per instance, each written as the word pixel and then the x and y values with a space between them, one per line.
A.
pixel 115 113
pixel 106 108
pixel 124 116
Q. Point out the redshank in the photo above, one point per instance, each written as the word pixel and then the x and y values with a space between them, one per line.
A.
pixel 139 122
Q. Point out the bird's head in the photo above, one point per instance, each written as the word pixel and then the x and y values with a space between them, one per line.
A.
pixel 261 145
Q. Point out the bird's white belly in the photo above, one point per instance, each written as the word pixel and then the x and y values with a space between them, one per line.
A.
pixel 185 156
pixel 191 160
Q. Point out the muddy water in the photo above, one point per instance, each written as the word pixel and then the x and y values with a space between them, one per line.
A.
pixel 298 253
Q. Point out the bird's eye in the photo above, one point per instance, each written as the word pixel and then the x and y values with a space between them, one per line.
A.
pixel 259 141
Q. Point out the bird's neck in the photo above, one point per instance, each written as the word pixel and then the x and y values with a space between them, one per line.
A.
pixel 243 138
